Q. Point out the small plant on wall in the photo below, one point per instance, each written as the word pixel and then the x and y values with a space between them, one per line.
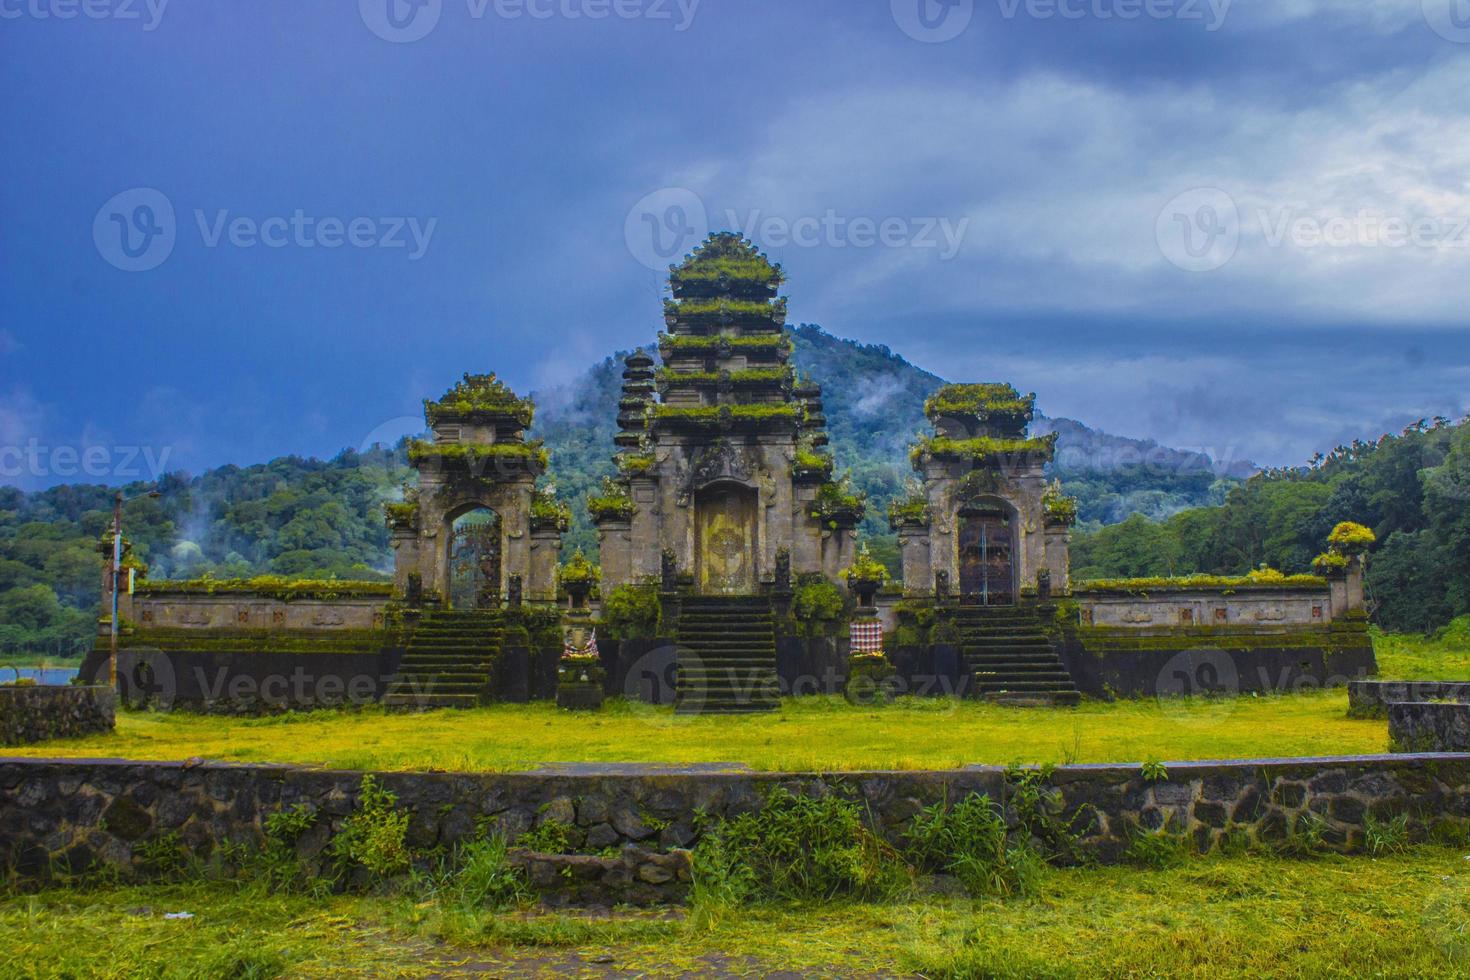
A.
pixel 1346 542
pixel 579 576
pixel 866 576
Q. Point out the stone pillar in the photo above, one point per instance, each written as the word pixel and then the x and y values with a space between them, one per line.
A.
pixel 540 582
pixel 405 542
pixel 918 574
pixel 1058 557
pixel 615 545
pixel 806 544
pixel 1337 589
pixel 839 548
pixel 1356 594
pixel 643 531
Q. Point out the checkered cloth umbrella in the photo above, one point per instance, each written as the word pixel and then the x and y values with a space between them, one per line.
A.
pixel 867 636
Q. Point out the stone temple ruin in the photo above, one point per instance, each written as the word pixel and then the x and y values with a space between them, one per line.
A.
pixel 725 506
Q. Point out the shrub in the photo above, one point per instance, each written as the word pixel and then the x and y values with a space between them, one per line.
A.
pixel 374 836
pixel 969 841
pixel 1154 771
pixel 799 848
pixel 630 611
pixel 1351 539
pixel 817 605
pixel 475 876
pixel 1386 836
pixel 1162 848
pixel 1305 836
pixel 552 837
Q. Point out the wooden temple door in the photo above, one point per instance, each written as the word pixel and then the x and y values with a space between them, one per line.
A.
pixel 725 541
pixel 474 560
pixel 987 559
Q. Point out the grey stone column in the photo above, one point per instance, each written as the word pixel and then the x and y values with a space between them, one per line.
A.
pixel 615 544
pixel 918 573
pixel 540 581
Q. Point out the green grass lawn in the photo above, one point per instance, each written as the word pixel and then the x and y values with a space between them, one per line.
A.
pixel 807 733
pixel 1404 915
pixel 1409 657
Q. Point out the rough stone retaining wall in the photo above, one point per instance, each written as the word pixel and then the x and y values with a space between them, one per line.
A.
pixel 34 712
pixel 1370 699
pixel 75 814
pixel 1416 726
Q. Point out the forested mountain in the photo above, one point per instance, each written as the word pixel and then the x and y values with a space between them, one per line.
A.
pixel 315 518
pixel 1413 489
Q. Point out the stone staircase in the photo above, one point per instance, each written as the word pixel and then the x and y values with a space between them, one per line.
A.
pixel 727 656
pixel 1009 657
pixel 450 662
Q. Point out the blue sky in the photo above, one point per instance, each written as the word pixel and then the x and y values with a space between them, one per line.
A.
pixel 1240 226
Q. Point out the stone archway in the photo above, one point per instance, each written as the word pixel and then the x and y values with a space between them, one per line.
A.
pixel 987 554
pixel 474 558
pixel 725 539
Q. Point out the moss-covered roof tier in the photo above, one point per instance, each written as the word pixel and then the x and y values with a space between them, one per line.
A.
pixel 997 406
pixel 481 398
pixel 985 450
pixel 725 265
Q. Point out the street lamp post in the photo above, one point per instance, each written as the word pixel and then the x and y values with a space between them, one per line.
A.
pixel 117 502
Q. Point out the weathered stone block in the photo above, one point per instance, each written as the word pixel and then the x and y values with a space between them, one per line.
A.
pixel 1429 727
pixel 35 713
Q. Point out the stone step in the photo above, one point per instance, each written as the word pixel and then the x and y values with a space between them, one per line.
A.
pixel 730 648
pixel 438 682
pixel 711 707
pixel 428 702
pixel 986 684
pixel 1035 699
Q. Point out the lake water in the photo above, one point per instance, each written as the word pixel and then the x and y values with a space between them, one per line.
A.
pixel 50 675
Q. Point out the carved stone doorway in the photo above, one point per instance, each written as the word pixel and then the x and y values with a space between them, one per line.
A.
pixel 725 540
pixel 474 560
pixel 987 558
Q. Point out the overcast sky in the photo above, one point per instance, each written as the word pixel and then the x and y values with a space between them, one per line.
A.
pixel 232 230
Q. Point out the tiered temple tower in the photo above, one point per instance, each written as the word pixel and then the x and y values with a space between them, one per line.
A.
pixel 470 535
pixel 725 470
pixel 985 527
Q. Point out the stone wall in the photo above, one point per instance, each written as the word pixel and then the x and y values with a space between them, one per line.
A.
pixel 1429 726
pixel 1370 699
pixel 1208 660
pixel 1246 606
pixel 247 681
pixel 637 876
pixel 76 814
pixel 236 610
pixel 35 713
